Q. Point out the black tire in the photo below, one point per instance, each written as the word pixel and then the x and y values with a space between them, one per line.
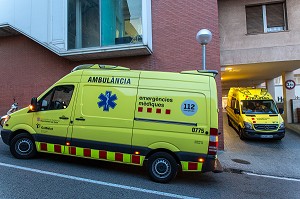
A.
pixel 162 167
pixel 22 146
pixel 241 134
pixel 229 122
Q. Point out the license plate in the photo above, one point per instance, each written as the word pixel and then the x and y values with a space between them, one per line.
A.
pixel 266 136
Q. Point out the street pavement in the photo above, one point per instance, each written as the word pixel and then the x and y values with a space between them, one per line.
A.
pixel 275 164
pixel 50 176
pixel 267 157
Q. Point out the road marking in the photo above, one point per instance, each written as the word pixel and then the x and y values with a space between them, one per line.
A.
pixel 274 177
pixel 96 182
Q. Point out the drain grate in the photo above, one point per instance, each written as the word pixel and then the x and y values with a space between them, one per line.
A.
pixel 232 170
pixel 240 161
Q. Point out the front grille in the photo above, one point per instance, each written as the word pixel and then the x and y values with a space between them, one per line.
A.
pixel 266 127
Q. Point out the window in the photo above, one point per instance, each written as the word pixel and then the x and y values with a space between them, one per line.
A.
pixel 93 23
pixel 233 101
pixel 297 78
pixel 278 81
pixel 57 98
pixel 259 107
pixel 237 105
pixel 266 18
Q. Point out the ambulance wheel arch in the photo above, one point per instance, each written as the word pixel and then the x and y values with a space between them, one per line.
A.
pixel 22 146
pixel 21 129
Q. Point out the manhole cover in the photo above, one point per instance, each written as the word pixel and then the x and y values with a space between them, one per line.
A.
pixel 240 161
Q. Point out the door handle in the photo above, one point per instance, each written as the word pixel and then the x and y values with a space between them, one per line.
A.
pixel 80 119
pixel 63 117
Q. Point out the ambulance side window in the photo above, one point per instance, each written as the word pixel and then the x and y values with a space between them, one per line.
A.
pixel 232 105
pixel 57 98
pixel 237 105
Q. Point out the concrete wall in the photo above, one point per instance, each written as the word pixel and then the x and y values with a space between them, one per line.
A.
pixel 44 20
pixel 239 48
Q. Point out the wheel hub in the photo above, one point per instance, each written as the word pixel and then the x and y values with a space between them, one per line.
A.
pixel 23 146
pixel 161 168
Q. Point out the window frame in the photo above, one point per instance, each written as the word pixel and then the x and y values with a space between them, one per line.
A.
pixel 146 32
pixel 51 93
pixel 233 103
pixel 264 17
pixel 297 78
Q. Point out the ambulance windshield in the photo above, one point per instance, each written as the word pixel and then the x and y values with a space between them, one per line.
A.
pixel 259 107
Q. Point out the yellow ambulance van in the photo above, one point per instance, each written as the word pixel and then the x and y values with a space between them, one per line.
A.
pixel 254 114
pixel 165 121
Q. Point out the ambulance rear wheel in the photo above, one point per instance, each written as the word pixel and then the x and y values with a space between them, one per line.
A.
pixel 22 146
pixel 162 167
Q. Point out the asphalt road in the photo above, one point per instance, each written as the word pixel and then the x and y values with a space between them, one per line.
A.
pixel 51 176
pixel 269 157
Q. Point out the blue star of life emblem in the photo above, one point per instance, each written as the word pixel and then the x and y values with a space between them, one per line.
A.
pixel 107 101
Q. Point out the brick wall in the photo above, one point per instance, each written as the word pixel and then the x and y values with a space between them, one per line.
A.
pixel 27 69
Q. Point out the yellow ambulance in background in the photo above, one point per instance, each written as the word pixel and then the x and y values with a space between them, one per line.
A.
pixel 166 121
pixel 254 114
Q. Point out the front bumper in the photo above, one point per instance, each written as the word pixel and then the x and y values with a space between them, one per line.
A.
pixel 250 133
pixel 6 136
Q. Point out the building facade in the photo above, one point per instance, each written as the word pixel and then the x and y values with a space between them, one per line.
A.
pixel 259 42
pixel 43 40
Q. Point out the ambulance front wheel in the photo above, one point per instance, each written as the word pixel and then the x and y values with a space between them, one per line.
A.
pixel 229 122
pixel 241 133
pixel 162 167
pixel 22 146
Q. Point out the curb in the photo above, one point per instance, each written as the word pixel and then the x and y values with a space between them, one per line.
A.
pixel 294 127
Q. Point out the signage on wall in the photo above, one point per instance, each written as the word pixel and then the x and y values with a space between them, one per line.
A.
pixel 290 84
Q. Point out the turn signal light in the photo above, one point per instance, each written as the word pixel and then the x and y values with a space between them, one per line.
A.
pixel 201 160
pixel 68 143
pixel 137 153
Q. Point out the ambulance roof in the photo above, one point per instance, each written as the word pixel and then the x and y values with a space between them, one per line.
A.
pixel 211 73
pixel 251 93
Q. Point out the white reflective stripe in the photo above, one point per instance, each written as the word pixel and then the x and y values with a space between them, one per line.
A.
pixel 274 177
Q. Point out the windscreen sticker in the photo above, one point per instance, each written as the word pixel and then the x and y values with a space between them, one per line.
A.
pixel 107 100
pixel 189 107
pixel 257 97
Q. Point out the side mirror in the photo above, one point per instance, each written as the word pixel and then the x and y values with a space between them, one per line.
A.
pixel 281 110
pixel 34 105
pixel 236 111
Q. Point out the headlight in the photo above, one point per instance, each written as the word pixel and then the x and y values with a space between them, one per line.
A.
pixel 281 126
pixel 248 125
